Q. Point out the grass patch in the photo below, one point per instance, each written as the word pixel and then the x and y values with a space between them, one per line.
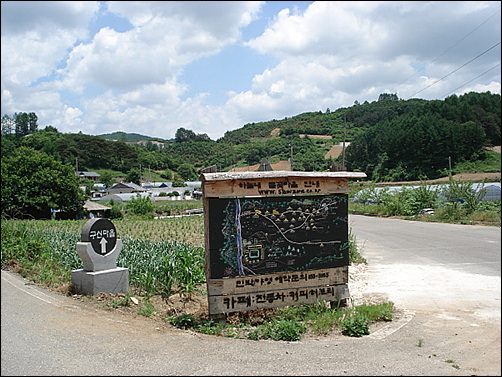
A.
pixel 292 323
pixel 147 310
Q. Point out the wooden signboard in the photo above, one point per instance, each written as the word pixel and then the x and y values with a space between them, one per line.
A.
pixel 275 238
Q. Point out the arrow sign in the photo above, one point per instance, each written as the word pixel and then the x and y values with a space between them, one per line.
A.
pixel 101 233
pixel 103 243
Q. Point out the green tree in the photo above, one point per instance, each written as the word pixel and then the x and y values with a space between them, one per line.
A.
pixel 168 174
pixel 34 183
pixel 133 176
pixel 116 212
pixel 187 172
pixel 26 123
pixel 183 134
pixel 178 183
pixel 45 140
pixel 106 178
pixel 32 123
pixel 140 206
pixel 388 97
pixel 8 125
pixel 21 120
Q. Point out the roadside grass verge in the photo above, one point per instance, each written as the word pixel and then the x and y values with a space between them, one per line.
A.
pixel 454 202
pixel 292 323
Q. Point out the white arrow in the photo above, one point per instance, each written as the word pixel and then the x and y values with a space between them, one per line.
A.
pixel 103 243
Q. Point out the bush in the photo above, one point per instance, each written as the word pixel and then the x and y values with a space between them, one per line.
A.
pixel 183 321
pixel 116 213
pixel 356 325
pixel 140 206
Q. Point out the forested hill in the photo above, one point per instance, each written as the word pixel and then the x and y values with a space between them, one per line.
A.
pixel 479 107
pixel 128 137
pixel 390 139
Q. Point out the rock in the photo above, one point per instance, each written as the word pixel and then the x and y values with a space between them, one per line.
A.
pixel 134 300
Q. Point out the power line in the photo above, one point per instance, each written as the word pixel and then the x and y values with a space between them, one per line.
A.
pixel 468 82
pixel 456 43
pixel 435 82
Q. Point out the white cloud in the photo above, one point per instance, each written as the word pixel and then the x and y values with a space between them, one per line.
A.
pixel 121 61
pixel 47 17
pixel 338 52
pixel 220 19
pixel 36 36
pixel 329 54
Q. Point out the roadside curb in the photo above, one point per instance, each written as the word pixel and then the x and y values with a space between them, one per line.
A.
pixel 393 326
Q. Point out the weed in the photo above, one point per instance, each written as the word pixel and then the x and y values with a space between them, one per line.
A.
pixel 380 312
pixel 122 301
pixel 453 365
pixel 456 201
pixel 211 328
pixel 287 330
pixel 325 322
pixel 354 255
pixel 356 325
pixel 183 321
pixel 147 310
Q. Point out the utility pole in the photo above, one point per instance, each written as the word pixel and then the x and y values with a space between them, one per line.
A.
pixel 76 164
pixel 291 145
pixel 344 137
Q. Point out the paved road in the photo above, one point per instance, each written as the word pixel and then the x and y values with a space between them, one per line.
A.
pixel 443 279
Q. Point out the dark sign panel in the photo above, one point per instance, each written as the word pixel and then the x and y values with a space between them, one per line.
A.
pixel 262 235
pixel 101 233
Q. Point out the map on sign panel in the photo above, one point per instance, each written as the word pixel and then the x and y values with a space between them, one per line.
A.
pixel 273 234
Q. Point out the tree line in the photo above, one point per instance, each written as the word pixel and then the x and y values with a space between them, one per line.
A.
pixel 390 139
pixel 414 139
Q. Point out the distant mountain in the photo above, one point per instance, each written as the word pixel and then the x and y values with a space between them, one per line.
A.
pixel 124 136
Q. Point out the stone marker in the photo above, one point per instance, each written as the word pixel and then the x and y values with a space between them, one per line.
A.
pixel 99 251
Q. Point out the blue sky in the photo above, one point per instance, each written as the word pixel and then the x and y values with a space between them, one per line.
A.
pixel 153 67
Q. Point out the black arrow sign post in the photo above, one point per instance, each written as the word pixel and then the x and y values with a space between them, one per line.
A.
pixel 99 251
pixel 101 233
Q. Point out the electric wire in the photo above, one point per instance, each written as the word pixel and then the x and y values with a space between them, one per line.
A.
pixel 470 61
pixel 468 82
pixel 456 43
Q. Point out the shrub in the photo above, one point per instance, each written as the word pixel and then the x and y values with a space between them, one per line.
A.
pixel 116 213
pixel 140 206
pixel 183 321
pixel 356 325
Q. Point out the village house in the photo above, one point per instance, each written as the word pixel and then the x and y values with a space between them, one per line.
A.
pixel 124 188
pixel 91 175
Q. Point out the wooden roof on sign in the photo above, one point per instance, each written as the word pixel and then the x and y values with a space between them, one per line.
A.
pixel 206 177
pixel 273 183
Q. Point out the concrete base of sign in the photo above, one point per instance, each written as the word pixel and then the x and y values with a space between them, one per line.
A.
pixel 114 281
pixel 95 262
